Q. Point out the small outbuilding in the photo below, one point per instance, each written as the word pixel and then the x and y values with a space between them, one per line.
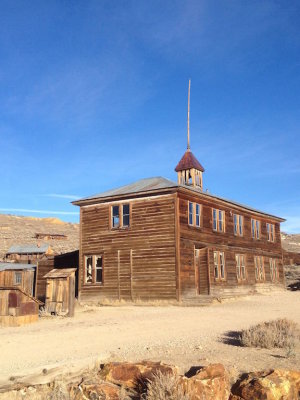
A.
pixel 18 275
pixel 60 291
pixel 17 307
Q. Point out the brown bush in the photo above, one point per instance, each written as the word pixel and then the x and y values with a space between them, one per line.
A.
pixel 165 387
pixel 281 333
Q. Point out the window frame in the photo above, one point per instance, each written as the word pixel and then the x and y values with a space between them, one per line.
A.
pixel 239 225
pixel 219 267
pixel 192 212
pixel 216 221
pixel 94 269
pixel 270 232
pixel 19 275
pixel 241 266
pixel 255 233
pixel 120 216
pixel 260 275
pixel 274 270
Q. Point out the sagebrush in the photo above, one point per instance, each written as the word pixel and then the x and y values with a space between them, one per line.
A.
pixel 165 387
pixel 280 333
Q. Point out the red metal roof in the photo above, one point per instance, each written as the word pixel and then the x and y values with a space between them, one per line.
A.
pixel 188 161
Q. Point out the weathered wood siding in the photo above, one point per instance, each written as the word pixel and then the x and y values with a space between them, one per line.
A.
pixel 192 237
pixel 7 279
pixel 138 262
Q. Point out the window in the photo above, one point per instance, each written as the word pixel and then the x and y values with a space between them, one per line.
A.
pixel 238 222
pixel 120 216
pixel 219 265
pixel 194 214
pixel 93 269
pixel 240 267
pixel 218 220
pixel 274 272
pixel 270 232
pixel 255 228
pixel 125 219
pixel 18 278
pixel 115 217
pixel 259 268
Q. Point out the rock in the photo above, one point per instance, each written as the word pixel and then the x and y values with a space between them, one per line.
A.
pixel 133 375
pixel 268 385
pixel 97 391
pixel 209 383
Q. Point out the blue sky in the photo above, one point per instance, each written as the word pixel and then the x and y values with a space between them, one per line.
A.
pixel 93 95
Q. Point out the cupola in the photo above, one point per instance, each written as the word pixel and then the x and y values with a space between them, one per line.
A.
pixel 189 170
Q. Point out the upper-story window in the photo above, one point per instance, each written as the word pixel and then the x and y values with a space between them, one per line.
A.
pixel 274 272
pixel 255 228
pixel 270 232
pixel 219 265
pixel 194 214
pixel 120 216
pixel 218 220
pixel 238 222
pixel 93 266
pixel 18 278
pixel 259 268
pixel 240 267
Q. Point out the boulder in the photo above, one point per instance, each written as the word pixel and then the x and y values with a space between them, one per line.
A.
pixel 209 383
pixel 133 375
pixel 97 391
pixel 268 385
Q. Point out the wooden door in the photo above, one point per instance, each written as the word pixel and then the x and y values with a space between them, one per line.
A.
pixel 201 269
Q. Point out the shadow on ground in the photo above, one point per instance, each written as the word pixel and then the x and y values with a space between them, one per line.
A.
pixel 232 338
pixel 294 286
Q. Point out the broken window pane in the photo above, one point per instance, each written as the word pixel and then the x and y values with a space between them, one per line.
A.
pixel 115 217
pixel 89 269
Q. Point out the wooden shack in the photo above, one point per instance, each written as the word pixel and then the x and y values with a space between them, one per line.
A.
pixel 18 275
pixel 60 291
pixel 17 307
pixel 29 253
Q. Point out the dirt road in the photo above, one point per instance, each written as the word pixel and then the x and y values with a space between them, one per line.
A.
pixel 184 336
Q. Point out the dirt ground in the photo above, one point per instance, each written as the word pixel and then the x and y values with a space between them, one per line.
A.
pixel 185 336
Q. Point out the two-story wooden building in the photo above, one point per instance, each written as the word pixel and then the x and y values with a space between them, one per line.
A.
pixel 157 239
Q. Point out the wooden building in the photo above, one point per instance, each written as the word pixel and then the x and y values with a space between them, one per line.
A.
pixel 29 253
pixel 18 275
pixel 158 239
pixel 60 293
pixel 17 307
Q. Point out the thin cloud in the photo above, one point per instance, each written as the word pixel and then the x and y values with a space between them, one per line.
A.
pixel 25 210
pixel 62 196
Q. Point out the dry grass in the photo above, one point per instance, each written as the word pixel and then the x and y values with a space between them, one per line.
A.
pixel 165 387
pixel 136 302
pixel 281 333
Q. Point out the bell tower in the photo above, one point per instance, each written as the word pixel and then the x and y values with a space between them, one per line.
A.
pixel 189 170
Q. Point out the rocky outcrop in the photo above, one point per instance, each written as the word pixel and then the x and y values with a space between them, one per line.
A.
pixel 134 375
pixel 115 381
pixel 268 385
pixel 209 383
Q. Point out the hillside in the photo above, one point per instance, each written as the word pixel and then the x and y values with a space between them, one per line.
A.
pixel 22 230
pixel 290 242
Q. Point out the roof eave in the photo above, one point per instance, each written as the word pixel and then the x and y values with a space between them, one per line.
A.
pixel 106 199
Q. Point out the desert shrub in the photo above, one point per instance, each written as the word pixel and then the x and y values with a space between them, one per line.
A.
pixel 281 333
pixel 58 391
pixel 165 387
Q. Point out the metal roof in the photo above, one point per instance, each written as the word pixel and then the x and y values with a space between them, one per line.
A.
pixel 143 185
pixel 188 161
pixel 156 184
pixel 28 248
pixel 4 266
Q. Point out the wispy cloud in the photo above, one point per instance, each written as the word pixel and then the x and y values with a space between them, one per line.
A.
pixel 25 210
pixel 62 196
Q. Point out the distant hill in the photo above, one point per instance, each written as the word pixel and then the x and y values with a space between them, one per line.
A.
pixel 22 230
pixel 291 242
